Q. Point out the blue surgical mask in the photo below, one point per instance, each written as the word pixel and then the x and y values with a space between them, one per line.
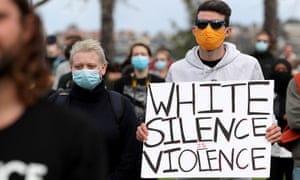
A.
pixel 117 59
pixel 160 65
pixel 86 78
pixel 261 46
pixel 140 62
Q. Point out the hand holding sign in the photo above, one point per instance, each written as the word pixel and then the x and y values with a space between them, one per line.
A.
pixel 142 132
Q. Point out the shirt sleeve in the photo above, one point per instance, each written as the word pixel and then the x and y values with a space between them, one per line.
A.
pixel 293 106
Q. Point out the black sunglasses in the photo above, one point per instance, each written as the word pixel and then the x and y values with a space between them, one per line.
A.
pixel 215 24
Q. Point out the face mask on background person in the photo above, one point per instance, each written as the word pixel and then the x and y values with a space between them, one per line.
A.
pixel 261 46
pixel 209 38
pixel 117 59
pixel 86 78
pixel 140 62
pixel 160 65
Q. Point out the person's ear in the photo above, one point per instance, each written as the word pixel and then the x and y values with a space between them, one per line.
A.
pixel 228 31
pixel 103 69
pixel 28 27
pixel 194 30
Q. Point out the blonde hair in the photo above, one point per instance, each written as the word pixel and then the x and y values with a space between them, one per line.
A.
pixel 88 45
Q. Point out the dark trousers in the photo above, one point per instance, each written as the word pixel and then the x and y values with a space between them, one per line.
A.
pixel 281 167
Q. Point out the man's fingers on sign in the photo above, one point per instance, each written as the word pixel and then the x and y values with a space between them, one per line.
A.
pixel 273 133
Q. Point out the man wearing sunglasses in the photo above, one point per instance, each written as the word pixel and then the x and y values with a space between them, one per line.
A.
pixel 213 59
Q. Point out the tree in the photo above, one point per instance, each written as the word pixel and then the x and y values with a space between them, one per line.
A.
pixel 271 21
pixel 107 30
pixel 183 40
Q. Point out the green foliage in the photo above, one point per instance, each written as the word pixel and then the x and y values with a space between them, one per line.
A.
pixel 182 42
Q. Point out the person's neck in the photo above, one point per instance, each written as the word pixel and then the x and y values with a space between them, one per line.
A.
pixel 11 108
pixel 163 73
pixel 141 74
pixel 212 55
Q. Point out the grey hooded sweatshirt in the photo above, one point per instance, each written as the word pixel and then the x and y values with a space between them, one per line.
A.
pixel 233 66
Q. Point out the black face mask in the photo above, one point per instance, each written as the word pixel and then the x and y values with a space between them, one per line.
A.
pixel 282 80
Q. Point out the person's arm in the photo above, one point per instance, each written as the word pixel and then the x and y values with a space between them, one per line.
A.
pixel 293 106
pixel 128 167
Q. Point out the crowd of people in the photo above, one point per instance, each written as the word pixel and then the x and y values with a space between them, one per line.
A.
pixel 70 114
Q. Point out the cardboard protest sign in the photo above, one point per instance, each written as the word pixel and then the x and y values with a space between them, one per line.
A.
pixel 208 129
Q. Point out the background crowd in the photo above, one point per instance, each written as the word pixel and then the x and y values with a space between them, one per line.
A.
pixel 91 110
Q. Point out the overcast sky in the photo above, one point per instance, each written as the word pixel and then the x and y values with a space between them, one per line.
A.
pixel 149 15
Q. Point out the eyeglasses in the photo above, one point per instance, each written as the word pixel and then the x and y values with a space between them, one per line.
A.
pixel 215 24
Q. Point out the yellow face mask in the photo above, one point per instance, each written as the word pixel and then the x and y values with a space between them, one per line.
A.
pixel 210 39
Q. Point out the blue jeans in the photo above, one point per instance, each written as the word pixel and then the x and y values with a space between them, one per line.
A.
pixel 296 173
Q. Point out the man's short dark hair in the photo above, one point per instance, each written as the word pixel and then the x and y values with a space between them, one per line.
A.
pixel 218 6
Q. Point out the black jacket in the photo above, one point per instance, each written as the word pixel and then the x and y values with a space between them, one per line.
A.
pixel 123 148
pixel 266 61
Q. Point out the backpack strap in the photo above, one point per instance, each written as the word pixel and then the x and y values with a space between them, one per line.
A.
pixel 61 96
pixel 297 80
pixel 117 103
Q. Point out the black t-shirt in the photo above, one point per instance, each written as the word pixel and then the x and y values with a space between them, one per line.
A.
pixel 51 143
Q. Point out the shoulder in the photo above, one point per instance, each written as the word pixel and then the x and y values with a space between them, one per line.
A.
pixel 292 86
pixel 59 118
pixel 58 96
pixel 118 99
pixel 64 64
pixel 179 62
pixel 67 75
pixel 179 66
pixel 155 78
pixel 234 54
pixel 248 58
pixel 242 59
pixel 124 78
pixel 53 110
